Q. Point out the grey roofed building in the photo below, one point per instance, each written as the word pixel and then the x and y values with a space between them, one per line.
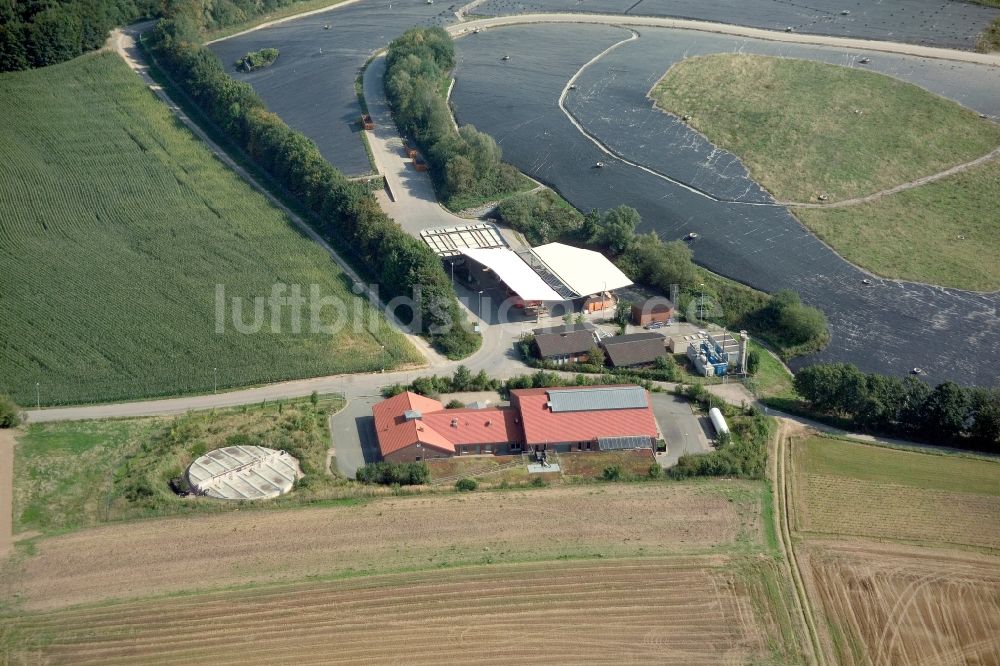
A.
pixel 635 349
pixel 566 342
pixel 591 398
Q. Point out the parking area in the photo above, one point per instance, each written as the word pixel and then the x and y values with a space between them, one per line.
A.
pixel 353 433
pixel 684 431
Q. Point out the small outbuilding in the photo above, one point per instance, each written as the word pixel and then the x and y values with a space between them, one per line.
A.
pixel 634 350
pixel 654 310
pixel 569 343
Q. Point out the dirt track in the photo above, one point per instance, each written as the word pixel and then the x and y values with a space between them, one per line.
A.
pixel 6 490
pixel 210 552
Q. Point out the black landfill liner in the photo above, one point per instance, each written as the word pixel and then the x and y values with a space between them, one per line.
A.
pixel 888 326
pixel 311 84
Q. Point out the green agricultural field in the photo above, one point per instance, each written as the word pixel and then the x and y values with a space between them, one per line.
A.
pixel 117 226
pixel 848 488
pixel 950 227
pixel 880 464
pixel 794 124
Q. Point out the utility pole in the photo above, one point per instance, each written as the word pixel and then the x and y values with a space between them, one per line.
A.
pixel 383 358
pixel 481 305
pixel 215 380
pixel 701 301
pixel 38 396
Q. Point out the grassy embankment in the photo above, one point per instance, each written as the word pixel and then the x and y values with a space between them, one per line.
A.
pixel 806 129
pixel 989 40
pixel 119 226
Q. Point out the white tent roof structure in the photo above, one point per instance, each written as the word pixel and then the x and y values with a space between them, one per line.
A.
pixel 584 271
pixel 512 270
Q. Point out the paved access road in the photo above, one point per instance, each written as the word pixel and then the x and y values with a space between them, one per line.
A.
pixel 947 23
pixel 684 431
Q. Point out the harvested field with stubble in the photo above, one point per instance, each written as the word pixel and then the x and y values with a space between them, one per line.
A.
pixel 392 534
pixel 855 489
pixel 690 610
pixel 899 605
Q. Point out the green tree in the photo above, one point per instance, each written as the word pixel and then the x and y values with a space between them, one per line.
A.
pixel 10 413
pixel 753 361
pixel 595 356
pixel 618 228
pixel 462 379
pixel 986 418
pixel 623 313
pixel 946 411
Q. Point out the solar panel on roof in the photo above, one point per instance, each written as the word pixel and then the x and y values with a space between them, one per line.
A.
pixel 591 399
pixel 624 443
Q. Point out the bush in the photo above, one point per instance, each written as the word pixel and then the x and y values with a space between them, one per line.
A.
pixel 541 216
pixel 390 473
pixel 257 59
pixel 10 413
pixel 612 473
pixel 466 485
pixel 455 404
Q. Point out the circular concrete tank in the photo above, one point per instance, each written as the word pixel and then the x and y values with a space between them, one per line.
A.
pixel 243 473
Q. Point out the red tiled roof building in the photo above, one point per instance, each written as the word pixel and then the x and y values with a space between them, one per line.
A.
pixel 411 427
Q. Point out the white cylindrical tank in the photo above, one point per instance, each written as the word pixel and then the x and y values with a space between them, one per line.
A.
pixel 718 421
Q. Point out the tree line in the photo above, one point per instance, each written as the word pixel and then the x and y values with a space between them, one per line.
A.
pixel 465 164
pixel 948 414
pixel 343 212
pixel 46 32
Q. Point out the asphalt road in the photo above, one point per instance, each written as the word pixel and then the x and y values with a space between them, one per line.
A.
pixel 888 326
pixel 948 23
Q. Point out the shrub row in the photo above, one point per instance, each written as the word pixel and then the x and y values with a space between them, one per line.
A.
pixel 390 473
pixel 464 163
pixel 463 380
pixel 343 212
pixel 946 414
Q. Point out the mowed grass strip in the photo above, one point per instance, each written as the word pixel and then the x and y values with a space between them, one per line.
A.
pixel 806 128
pixel 657 610
pixel 116 225
pixel 856 489
pixel 945 232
